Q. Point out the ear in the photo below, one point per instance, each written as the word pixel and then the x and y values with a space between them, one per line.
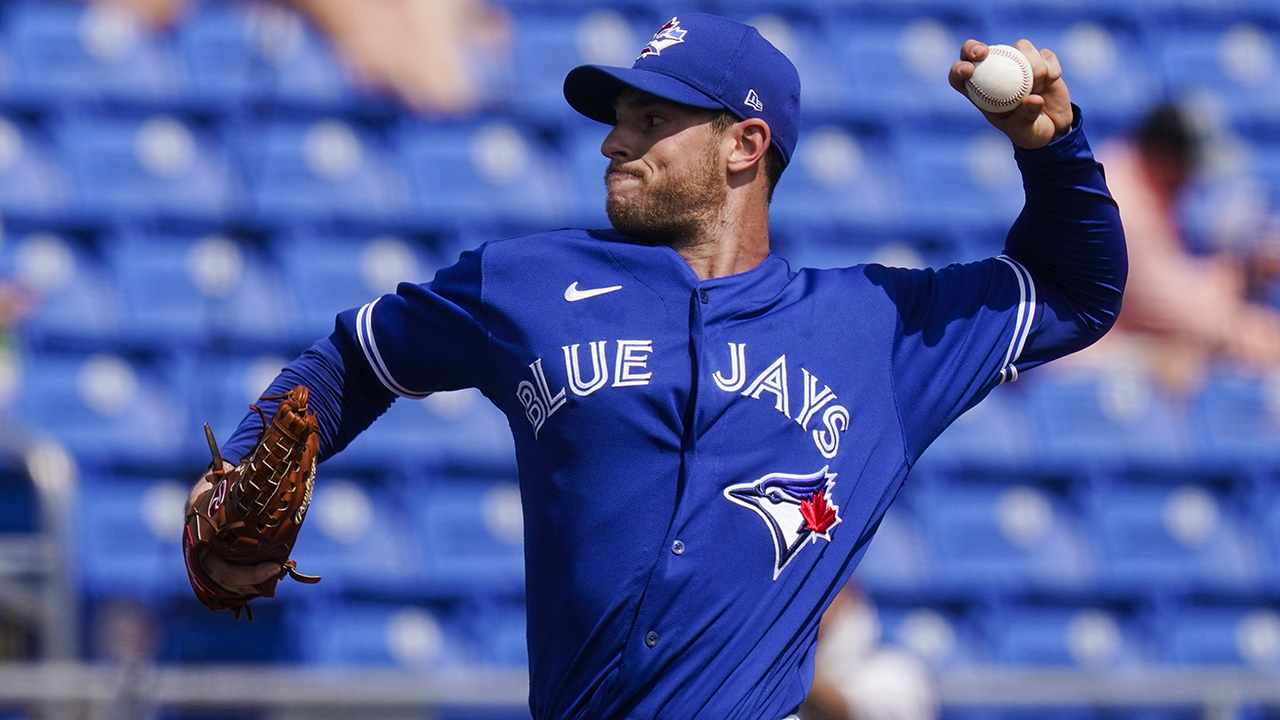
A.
pixel 751 142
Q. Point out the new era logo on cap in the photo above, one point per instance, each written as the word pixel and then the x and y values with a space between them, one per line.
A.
pixel 702 61
pixel 670 34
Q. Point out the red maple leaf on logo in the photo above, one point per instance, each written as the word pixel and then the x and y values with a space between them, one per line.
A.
pixel 818 513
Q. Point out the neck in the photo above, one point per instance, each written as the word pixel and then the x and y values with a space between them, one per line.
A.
pixel 733 241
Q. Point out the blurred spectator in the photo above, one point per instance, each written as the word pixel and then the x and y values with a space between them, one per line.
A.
pixel 857 678
pixel 156 13
pixel 14 304
pixel 425 52
pixel 1181 310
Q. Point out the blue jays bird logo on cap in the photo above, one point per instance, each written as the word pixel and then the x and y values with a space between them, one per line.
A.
pixel 668 35
pixel 796 508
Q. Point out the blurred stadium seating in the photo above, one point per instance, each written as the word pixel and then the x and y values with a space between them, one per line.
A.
pixel 191 208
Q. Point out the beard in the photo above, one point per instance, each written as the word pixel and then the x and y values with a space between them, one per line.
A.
pixel 674 210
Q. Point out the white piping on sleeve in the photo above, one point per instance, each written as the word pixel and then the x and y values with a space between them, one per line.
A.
pixel 364 332
pixel 1025 319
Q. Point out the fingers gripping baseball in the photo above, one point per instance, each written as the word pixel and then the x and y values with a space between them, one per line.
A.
pixel 1032 114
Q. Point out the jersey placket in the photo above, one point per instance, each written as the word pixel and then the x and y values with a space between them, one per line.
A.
pixel 664 623
pixel 657 617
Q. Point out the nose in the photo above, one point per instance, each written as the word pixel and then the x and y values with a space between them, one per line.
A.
pixel 615 145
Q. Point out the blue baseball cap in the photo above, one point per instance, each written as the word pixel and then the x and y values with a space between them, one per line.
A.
pixel 707 62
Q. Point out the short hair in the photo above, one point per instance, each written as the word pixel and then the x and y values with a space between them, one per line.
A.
pixel 1169 130
pixel 773 162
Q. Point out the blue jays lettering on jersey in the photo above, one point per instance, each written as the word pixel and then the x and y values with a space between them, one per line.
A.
pixel 702 463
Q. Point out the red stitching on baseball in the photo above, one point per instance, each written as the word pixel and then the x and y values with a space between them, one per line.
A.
pixel 1026 81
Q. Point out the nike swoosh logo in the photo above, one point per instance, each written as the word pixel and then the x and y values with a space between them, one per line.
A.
pixel 573 294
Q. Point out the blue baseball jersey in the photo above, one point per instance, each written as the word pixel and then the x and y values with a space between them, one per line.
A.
pixel 703 463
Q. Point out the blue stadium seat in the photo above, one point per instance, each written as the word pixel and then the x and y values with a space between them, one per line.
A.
pixel 584 169
pixel 471 535
pixel 9 85
pixel 355 537
pixel 1265 152
pixel 902 11
pixel 76 299
pixel 843 178
pixel 484 172
pixel 192 634
pixel 325 169
pixel 222 45
pixel 108 409
pixel 330 273
pixel 806 246
pixel 902 65
pixel 1109 76
pixel 72 51
pixel 1238 419
pixel 161 300
pixel 996 432
pixel 128 537
pixel 826 92
pixel 957 178
pixel 1011 537
pixel 382 635
pixel 459 429
pixel 1064 636
pixel 1101 419
pixel 228 386
pixel 548 44
pixel 182 288
pixel 898 558
pixel 298 66
pixel 148 166
pixel 1268 516
pixel 944 635
pixel 1172 537
pixel 19 505
pixel 1223 635
pixel 261 311
pixel 1223 64
pixel 33 182
pixel 501 634
pixel 1034 713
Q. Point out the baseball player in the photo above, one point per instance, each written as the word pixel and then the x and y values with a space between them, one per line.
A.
pixel 707 438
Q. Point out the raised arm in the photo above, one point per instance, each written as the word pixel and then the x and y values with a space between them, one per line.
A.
pixel 968 328
pixel 1068 236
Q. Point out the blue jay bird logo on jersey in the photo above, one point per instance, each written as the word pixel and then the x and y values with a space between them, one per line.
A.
pixel 797 509
pixel 668 35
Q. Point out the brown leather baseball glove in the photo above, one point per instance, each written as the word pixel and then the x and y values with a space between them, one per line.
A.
pixel 252 512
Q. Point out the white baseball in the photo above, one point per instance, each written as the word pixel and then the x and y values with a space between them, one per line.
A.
pixel 1001 81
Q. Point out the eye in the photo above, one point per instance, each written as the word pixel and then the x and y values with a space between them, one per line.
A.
pixel 653 121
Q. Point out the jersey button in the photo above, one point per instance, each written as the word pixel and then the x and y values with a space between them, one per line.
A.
pixel 677 547
pixel 703 296
pixel 651 638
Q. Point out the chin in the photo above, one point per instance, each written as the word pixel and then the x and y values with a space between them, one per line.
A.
pixel 638 229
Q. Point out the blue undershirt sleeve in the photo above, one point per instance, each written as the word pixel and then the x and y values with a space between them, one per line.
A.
pixel 966 329
pixel 420 340
pixel 1070 240
pixel 343 394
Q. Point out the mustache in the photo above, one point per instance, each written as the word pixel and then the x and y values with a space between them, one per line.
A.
pixel 614 168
